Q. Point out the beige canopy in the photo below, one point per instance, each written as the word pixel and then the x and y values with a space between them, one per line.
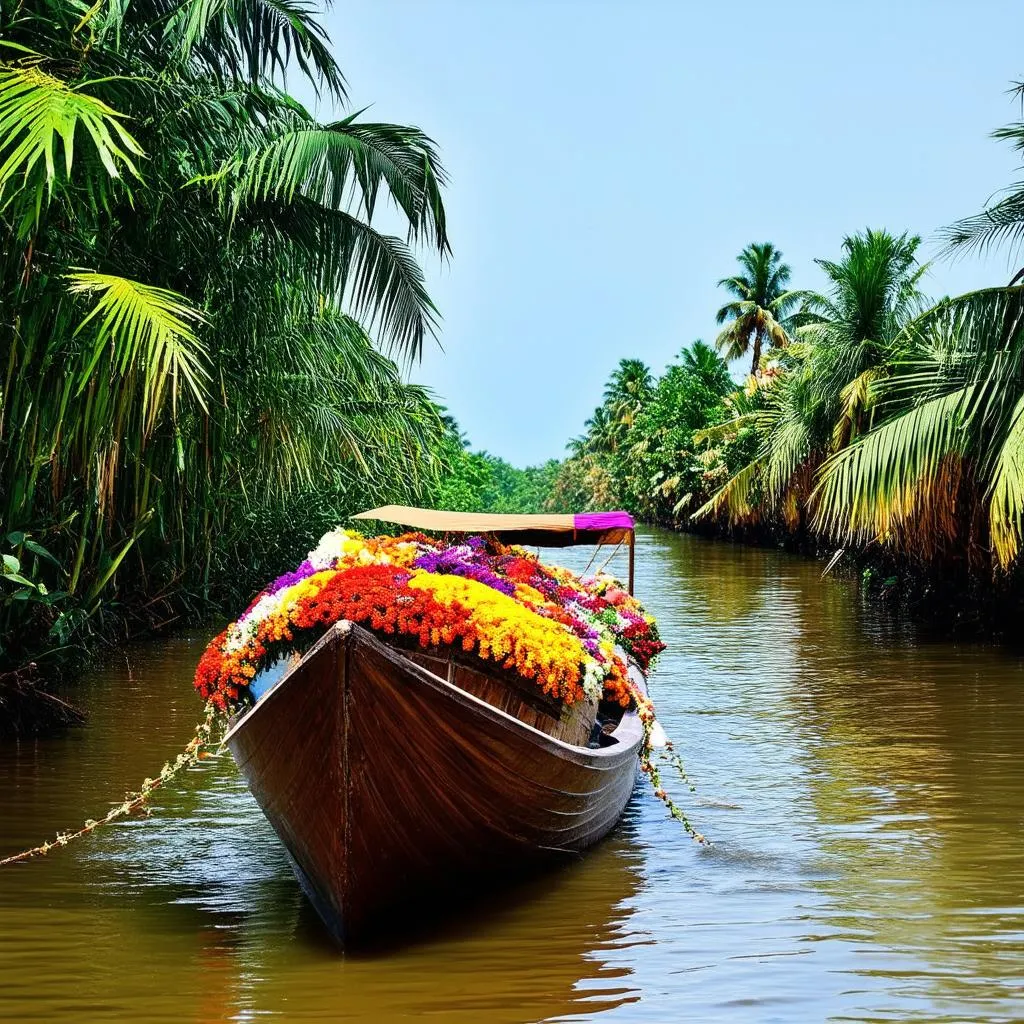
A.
pixel 542 530
pixel 465 522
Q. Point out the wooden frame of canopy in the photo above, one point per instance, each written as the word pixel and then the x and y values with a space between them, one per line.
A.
pixel 543 530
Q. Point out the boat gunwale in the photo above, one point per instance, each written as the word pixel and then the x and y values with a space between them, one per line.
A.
pixel 628 733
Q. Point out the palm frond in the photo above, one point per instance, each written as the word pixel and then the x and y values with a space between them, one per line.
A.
pixel 328 163
pixel 257 39
pixel 734 340
pixel 40 118
pixel 144 331
pixel 381 280
pixel 867 489
pixel 736 496
pixel 730 428
pixel 856 398
pixel 1006 500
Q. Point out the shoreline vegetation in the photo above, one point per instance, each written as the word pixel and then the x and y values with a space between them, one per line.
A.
pixel 205 332
pixel 878 427
pixel 205 338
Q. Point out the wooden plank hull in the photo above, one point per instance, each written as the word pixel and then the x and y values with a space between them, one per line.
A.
pixel 384 780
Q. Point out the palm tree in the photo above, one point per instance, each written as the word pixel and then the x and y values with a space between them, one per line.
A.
pixel 601 432
pixel 942 473
pixel 760 307
pixel 701 360
pixel 629 386
pixel 845 341
pixel 854 328
pixel 194 289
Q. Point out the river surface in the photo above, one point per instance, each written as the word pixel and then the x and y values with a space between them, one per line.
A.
pixel 863 788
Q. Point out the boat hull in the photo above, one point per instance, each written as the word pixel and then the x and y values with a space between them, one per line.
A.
pixel 385 781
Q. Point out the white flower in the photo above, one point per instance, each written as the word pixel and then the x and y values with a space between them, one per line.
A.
pixel 329 550
pixel 593 678
pixel 245 628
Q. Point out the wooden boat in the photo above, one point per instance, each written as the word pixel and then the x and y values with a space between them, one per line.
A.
pixel 388 772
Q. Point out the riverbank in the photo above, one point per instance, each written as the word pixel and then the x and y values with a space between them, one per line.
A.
pixel 944 598
pixel 50 637
pixel 950 604
pixel 28 706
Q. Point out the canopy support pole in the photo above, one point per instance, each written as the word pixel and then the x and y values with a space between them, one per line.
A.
pixel 632 545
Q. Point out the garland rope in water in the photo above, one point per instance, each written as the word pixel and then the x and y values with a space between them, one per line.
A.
pixel 203 746
pixel 199 748
pixel 667 754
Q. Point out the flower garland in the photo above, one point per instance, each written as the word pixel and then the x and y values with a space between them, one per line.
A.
pixel 501 604
pixel 203 745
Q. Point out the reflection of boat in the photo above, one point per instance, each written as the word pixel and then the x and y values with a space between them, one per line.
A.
pixel 558 945
pixel 389 774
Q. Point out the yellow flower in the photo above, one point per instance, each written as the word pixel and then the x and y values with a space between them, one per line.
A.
pixel 507 630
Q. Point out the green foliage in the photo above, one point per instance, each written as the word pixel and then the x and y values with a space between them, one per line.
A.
pixel 194 299
pixel 943 470
pixel 480 482
pixel 874 417
pixel 582 483
pixel 639 450
pixel 941 474
pixel 820 391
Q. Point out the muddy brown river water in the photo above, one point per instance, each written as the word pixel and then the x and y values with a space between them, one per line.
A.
pixel 863 786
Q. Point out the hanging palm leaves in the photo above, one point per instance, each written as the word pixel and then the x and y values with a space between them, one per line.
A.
pixel 195 293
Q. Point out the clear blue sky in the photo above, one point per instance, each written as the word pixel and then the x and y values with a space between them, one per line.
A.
pixel 609 160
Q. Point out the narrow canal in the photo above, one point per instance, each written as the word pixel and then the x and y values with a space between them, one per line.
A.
pixel 864 789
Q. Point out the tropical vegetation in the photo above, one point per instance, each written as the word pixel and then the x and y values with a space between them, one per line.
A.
pixel 472 481
pixel 639 448
pixel 873 419
pixel 199 314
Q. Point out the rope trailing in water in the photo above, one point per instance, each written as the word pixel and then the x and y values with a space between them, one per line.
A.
pixel 201 747
pixel 667 754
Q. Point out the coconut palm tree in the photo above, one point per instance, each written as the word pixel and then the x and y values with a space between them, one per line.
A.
pixel 194 287
pixel 629 386
pixel 760 306
pixel 855 327
pixel 701 360
pixel 846 339
pixel 601 433
pixel 942 471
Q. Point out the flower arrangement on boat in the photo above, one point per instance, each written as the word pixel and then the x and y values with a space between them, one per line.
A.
pixel 501 604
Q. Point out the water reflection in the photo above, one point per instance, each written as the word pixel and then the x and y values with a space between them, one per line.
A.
pixel 201 893
pixel 863 786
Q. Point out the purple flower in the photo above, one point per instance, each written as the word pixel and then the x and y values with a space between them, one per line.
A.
pixel 304 570
pixel 461 561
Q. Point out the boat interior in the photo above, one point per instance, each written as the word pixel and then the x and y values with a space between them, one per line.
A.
pixel 584 724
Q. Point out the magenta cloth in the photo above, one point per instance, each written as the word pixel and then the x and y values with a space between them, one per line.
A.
pixel 603 521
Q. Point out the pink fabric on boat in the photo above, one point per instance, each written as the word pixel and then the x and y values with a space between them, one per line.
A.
pixel 603 521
